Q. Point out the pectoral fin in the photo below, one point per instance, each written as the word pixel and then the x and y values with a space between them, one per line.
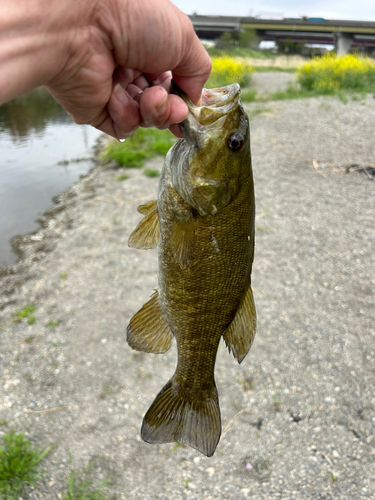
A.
pixel 147 208
pixel 148 331
pixel 240 333
pixel 182 238
pixel 146 234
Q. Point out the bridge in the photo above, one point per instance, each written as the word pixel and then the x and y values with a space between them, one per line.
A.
pixel 342 34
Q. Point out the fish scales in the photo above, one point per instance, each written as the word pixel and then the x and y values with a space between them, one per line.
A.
pixel 206 247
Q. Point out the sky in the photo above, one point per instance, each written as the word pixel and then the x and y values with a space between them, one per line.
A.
pixel 359 10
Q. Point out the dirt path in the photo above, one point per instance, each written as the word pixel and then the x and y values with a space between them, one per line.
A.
pixel 298 414
pixel 272 81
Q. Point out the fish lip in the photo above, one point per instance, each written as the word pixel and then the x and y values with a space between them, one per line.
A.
pixel 219 97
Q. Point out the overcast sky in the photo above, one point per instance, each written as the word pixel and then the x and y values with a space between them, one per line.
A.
pixel 362 10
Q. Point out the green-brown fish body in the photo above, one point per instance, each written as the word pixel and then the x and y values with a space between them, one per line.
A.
pixel 203 222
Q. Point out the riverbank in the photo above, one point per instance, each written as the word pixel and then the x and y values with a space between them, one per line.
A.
pixel 298 414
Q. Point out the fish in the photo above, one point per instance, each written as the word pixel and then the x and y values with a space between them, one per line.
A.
pixel 203 225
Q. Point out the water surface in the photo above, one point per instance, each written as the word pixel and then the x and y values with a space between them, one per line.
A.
pixel 38 141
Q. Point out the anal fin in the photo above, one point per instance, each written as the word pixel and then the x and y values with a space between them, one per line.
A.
pixel 148 330
pixel 146 235
pixel 240 334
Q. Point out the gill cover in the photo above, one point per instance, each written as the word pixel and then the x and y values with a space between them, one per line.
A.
pixel 207 163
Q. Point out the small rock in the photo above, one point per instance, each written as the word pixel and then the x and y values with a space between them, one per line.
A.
pixel 210 471
pixel 335 454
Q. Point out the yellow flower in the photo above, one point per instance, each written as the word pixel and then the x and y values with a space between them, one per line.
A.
pixel 330 73
pixel 227 70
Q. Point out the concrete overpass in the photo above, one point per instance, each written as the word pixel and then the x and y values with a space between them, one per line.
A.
pixel 342 34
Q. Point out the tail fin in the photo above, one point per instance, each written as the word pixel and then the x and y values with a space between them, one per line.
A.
pixel 186 416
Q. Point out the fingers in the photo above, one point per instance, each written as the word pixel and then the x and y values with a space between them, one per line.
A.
pixel 155 108
pixel 124 115
pixel 160 109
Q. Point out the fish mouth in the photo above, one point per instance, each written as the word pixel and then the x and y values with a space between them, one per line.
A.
pixel 213 103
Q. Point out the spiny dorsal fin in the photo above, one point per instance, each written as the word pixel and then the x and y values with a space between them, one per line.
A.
pixel 148 331
pixel 240 333
pixel 146 235
pixel 187 416
pixel 182 239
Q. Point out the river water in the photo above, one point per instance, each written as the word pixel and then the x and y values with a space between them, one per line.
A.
pixel 42 153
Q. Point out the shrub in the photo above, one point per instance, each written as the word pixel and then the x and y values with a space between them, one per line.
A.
pixel 143 144
pixel 330 73
pixel 226 70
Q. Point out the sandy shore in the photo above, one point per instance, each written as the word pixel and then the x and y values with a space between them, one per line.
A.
pixel 298 414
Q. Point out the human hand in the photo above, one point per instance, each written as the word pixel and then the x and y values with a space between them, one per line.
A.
pixel 119 77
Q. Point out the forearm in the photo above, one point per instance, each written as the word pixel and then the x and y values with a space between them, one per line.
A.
pixel 37 38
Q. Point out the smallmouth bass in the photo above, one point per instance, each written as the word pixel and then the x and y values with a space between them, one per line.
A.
pixel 203 225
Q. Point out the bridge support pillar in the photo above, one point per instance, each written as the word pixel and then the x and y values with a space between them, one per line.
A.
pixel 343 42
pixel 256 41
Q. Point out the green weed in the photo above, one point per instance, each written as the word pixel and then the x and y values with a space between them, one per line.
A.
pixel 26 312
pixel 30 339
pixel 276 404
pixel 142 145
pixel 52 324
pixel 19 462
pixel 254 112
pixel 333 477
pixel 248 95
pixel 81 488
pixel 150 172
pixel 267 69
pixel 121 177
pixel 63 275
pixel 239 52
pixel 174 448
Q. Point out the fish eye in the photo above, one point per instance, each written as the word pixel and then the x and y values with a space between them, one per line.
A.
pixel 235 142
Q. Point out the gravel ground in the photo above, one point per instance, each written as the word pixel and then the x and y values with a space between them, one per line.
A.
pixel 298 414
pixel 272 81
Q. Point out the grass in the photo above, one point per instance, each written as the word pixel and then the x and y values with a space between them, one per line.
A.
pixel 19 462
pixel 82 488
pixel 276 404
pixel 142 145
pixel 121 177
pixel 267 69
pixel 248 95
pixel 255 112
pixel 240 52
pixel 52 324
pixel 24 313
pixel 151 172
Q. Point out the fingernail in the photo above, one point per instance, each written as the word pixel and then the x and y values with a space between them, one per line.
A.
pixel 162 103
pixel 120 94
